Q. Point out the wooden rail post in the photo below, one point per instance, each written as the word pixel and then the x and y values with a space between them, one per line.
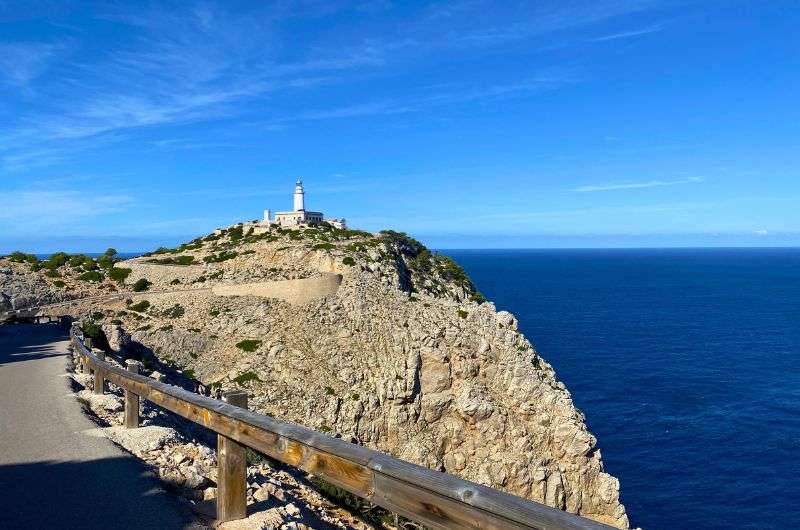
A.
pixel 99 382
pixel 131 399
pixel 232 469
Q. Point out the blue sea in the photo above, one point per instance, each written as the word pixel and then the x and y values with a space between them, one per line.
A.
pixel 686 364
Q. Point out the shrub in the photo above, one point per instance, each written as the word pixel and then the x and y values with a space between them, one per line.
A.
pixel 59 259
pixel 249 345
pixel 17 257
pixel 59 284
pixel 93 330
pixel 175 311
pixel 140 307
pixel 214 313
pixel 176 281
pixel 178 260
pixel 324 246
pixel 110 252
pixel 225 255
pixel 119 274
pixel 477 297
pixel 141 285
pixel 246 377
pixel 52 273
pixel 189 373
pixel 168 327
pixel 462 313
pixel 91 276
pixel 76 261
pixel 329 391
pixel 105 262
pixel 349 261
pixel 236 233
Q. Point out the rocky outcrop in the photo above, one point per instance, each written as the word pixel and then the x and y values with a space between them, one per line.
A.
pixel 19 288
pixel 404 356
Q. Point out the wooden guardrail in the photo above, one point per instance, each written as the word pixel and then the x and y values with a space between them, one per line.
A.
pixel 434 499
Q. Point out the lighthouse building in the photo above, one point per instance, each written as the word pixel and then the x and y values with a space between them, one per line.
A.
pixel 299 215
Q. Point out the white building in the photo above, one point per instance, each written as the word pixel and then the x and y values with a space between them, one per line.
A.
pixel 299 215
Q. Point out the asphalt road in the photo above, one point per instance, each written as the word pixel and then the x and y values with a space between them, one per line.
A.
pixel 53 472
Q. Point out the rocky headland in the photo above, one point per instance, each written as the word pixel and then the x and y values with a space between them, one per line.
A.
pixel 369 337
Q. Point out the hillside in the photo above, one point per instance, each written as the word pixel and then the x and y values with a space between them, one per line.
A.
pixel 370 337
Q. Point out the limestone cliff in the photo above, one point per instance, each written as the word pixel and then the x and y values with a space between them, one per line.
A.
pixel 401 354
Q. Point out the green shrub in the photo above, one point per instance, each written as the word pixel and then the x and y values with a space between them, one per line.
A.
pixel 236 233
pixel 91 276
pixel 105 262
pixel 225 255
pixel 249 345
pixel 462 313
pixel 214 313
pixel 141 285
pixel 76 261
pixel 349 261
pixel 52 273
pixel 188 373
pixel 324 246
pixel 175 311
pixel 176 281
pixel 168 327
pixel 88 264
pixel 477 297
pixel 119 274
pixel 93 330
pixel 329 391
pixel 59 259
pixel 246 377
pixel 178 260
pixel 17 257
pixel 140 307
pixel 59 284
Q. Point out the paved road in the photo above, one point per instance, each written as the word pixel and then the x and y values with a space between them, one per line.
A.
pixel 53 474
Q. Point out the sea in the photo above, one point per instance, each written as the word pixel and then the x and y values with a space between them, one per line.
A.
pixel 686 363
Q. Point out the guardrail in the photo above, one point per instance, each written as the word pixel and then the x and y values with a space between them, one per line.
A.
pixel 432 498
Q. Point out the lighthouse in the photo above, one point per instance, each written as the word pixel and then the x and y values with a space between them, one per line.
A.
pixel 299 216
pixel 299 197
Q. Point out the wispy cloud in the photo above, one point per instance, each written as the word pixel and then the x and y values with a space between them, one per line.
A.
pixel 636 185
pixel 22 62
pixel 51 207
pixel 628 34
pixel 545 82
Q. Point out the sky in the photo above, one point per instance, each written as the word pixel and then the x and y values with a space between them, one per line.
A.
pixel 468 123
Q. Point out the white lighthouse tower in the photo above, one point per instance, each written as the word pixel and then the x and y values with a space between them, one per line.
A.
pixel 299 197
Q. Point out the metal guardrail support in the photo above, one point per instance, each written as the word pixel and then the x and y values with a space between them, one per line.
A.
pixel 434 499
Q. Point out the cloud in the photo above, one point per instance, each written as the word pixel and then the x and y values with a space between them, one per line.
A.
pixel 627 34
pixel 636 185
pixel 22 62
pixel 547 81
pixel 761 232
pixel 59 205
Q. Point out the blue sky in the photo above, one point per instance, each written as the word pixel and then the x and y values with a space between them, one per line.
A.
pixel 465 123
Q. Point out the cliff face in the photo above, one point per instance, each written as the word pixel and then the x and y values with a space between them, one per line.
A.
pixel 403 357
